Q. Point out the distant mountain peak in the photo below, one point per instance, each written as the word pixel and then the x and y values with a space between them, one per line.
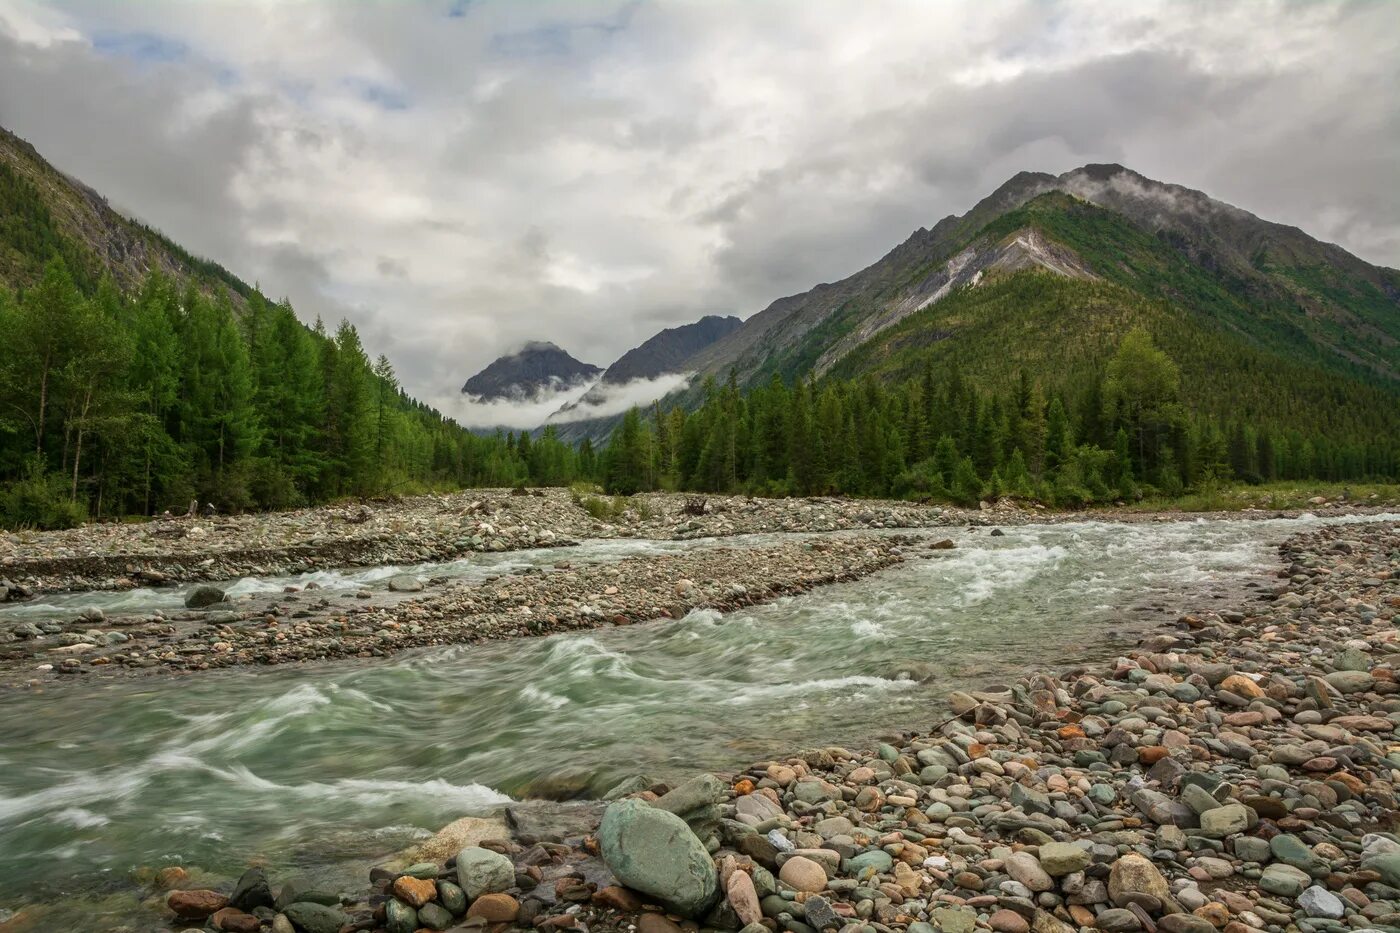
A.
pixel 538 366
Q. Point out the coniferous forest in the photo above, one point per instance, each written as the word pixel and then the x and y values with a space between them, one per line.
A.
pixel 120 404
pixel 1123 434
pixel 115 404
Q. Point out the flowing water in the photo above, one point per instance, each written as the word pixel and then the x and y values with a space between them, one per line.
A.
pixel 319 769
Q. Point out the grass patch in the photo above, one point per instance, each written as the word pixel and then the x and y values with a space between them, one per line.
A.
pixel 1273 496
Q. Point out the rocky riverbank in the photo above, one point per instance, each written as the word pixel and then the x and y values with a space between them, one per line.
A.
pixel 308 625
pixel 418 529
pixel 1235 772
pixel 426 529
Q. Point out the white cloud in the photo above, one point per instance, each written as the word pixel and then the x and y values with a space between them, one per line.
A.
pixel 591 172
pixel 560 404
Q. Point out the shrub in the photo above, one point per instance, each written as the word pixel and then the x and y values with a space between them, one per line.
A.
pixel 40 500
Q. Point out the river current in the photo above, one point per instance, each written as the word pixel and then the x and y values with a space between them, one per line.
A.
pixel 317 770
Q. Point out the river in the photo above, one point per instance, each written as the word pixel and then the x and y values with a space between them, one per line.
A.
pixel 320 769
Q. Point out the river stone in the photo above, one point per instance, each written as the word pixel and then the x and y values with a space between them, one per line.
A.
pixel 1025 869
pixel 195 904
pixel 1350 681
pixel 1118 920
pixel 654 852
pixel 1320 902
pixel 1063 858
pixel 1225 821
pixel 456 836
pixel 1352 659
pixel 399 917
pixel 876 859
pixel 743 897
pixel 820 914
pixel 1387 864
pixel 252 891
pixel 481 871
pixel 1284 880
pixel 954 919
pixel 802 874
pixel 494 908
pixel 1293 851
pixel 315 918
pixel 1185 923
pixel 702 791
pixel 452 896
pixel 1250 849
pixel 202 596
pixel 434 917
pixel 1133 874
pixel 405 583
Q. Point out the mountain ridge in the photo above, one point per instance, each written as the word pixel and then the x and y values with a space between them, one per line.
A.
pixel 537 367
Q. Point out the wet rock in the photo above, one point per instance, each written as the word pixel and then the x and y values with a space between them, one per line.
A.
pixel 233 920
pixel 434 917
pixel 196 904
pixel 252 891
pixel 405 583
pixel 203 596
pixel 415 892
pixel 308 917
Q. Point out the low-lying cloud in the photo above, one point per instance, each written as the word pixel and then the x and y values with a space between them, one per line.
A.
pixel 561 405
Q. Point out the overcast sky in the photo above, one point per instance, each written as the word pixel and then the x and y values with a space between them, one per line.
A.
pixel 457 177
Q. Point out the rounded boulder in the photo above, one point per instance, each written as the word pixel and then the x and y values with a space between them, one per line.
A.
pixel 654 852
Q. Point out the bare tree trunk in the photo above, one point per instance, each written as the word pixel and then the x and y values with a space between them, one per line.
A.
pixel 78 450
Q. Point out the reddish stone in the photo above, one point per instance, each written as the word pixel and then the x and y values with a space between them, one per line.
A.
pixel 1008 921
pixel 233 920
pixel 656 923
pixel 170 876
pixel 618 898
pixel 197 904
pixel 494 908
pixel 415 892
pixel 1151 754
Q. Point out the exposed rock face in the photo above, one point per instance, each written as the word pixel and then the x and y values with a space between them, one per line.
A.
pixel 669 351
pixel 537 367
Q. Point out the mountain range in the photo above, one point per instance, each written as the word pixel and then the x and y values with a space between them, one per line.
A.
pixel 1046 274
pixel 1049 271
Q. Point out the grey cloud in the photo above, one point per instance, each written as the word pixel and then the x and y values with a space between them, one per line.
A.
pixel 592 172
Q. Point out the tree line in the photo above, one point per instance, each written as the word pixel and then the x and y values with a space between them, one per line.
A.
pixel 939 436
pixel 115 404
pixel 120 403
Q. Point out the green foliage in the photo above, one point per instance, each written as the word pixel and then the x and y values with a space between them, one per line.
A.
pixel 120 404
pixel 940 436
pixel 39 500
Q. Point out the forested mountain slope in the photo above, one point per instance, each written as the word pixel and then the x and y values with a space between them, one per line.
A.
pixel 135 377
pixel 44 213
pixel 1272 285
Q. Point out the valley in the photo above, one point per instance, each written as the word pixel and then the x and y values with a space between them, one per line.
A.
pixel 627 490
